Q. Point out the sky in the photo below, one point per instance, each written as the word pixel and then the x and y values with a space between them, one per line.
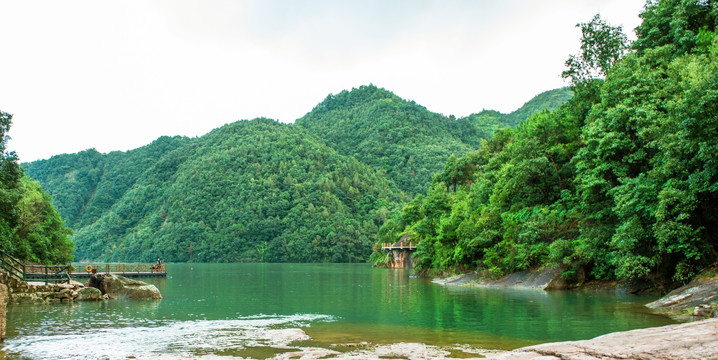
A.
pixel 116 75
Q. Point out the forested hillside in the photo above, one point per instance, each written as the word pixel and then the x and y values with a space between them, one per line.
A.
pixel 403 138
pixel 30 227
pixel 85 185
pixel 621 182
pixel 261 191
pixel 249 191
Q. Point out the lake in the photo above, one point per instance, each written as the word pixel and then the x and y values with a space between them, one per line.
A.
pixel 249 310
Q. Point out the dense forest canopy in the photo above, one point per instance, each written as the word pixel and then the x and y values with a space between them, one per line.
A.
pixel 403 138
pixel 30 227
pixel 249 191
pixel 621 182
pixel 262 191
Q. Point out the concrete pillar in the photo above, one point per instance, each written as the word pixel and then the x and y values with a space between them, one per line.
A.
pixel 401 259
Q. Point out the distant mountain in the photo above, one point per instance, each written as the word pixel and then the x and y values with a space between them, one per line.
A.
pixel 249 191
pixel 257 190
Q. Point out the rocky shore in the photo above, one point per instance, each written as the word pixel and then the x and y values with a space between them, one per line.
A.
pixel 689 341
pixel 693 340
pixel 14 291
pixel 20 292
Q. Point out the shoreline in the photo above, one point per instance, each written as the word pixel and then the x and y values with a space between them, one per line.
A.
pixel 688 341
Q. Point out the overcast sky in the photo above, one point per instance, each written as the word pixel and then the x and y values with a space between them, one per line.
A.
pixel 115 75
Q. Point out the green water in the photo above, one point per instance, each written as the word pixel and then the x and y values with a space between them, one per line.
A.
pixel 238 310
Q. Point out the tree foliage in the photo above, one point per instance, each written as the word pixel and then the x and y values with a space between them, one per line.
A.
pixel 403 138
pixel 602 45
pixel 621 182
pixel 260 191
pixel 249 191
pixel 30 227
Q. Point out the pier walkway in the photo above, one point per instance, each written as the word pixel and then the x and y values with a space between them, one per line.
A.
pixel 127 270
pixel 65 273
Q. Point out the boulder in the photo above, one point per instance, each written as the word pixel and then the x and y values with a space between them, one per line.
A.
pixel 89 294
pixel 681 303
pixel 121 287
pixel 544 279
pixel 97 281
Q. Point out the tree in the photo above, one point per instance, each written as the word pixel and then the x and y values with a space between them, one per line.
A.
pixel 602 45
pixel 30 227
pixel 10 174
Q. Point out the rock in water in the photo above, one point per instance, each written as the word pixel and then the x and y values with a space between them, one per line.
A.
pixel 95 281
pixel 89 294
pixel 122 287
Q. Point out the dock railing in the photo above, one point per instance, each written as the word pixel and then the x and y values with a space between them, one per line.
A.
pixel 121 269
pixel 12 266
pixel 47 273
pixel 398 246
pixel 41 273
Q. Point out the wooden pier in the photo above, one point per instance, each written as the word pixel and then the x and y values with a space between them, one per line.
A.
pixel 127 270
pixel 398 246
pixel 64 273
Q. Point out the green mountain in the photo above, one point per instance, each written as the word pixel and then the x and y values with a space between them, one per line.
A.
pixel 403 138
pixel 256 190
pixel 86 184
pixel 249 191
